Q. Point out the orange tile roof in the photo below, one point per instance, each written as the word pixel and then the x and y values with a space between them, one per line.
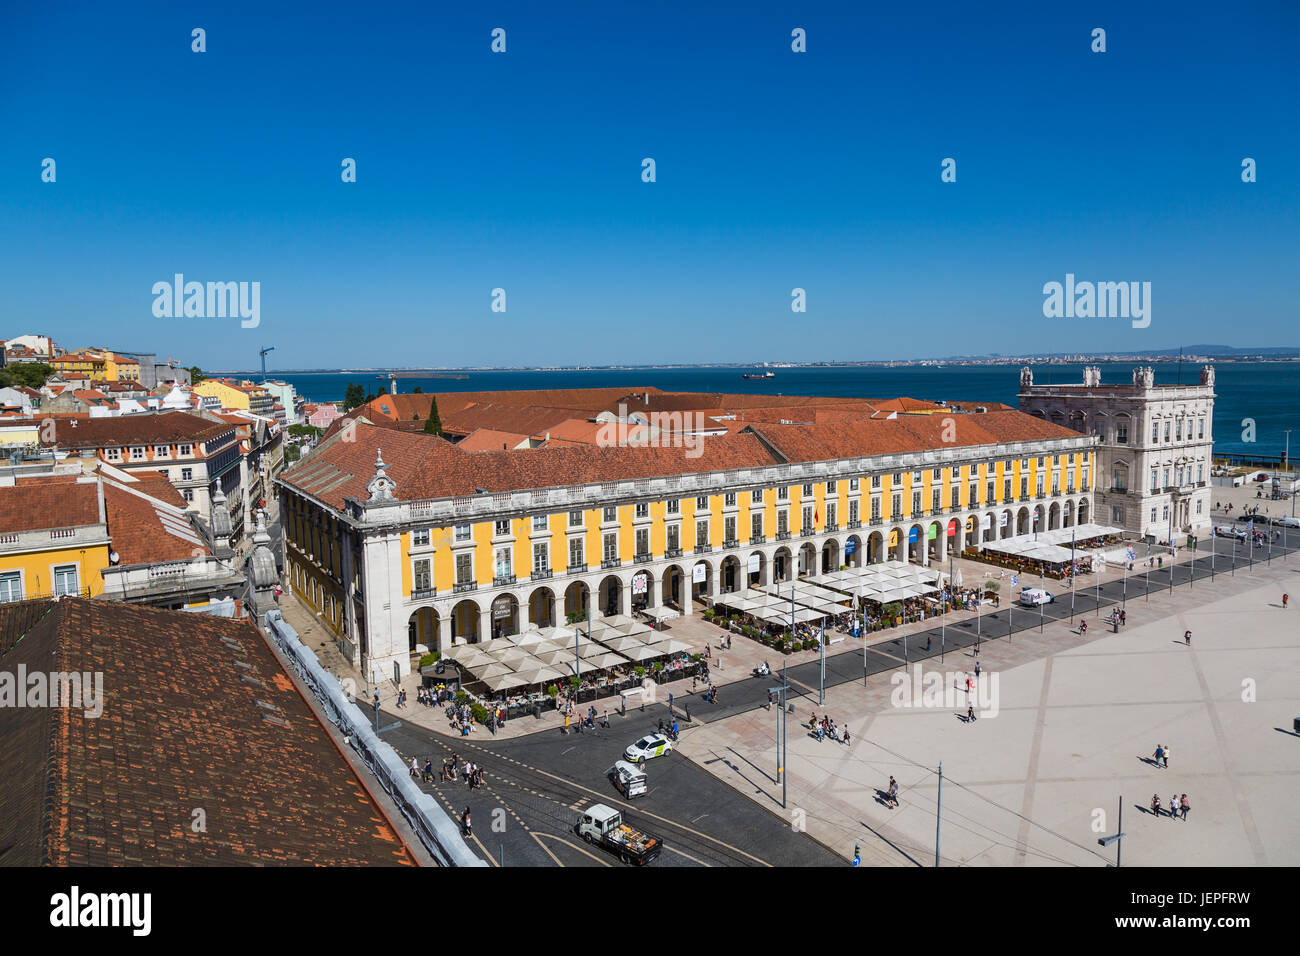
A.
pixel 485 439
pixel 424 466
pixel 53 504
pixel 182 727
pixel 144 530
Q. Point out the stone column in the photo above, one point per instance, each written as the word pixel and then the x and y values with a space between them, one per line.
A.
pixel 444 632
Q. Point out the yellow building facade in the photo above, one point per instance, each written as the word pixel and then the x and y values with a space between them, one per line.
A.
pixel 439 572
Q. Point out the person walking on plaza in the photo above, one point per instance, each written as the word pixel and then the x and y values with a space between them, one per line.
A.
pixel 1285 598
pixel 1166 757
pixel 1155 804
pixel 1159 754
pixel 1187 638
pixel 970 713
pixel 1184 806
pixel 1173 806
pixel 465 823
pixel 892 793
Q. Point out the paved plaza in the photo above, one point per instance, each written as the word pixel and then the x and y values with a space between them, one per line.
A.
pixel 1077 723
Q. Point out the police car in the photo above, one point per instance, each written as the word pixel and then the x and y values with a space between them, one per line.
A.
pixel 651 745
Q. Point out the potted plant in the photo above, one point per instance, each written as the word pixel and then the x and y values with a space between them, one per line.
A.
pixel 639 671
pixel 893 612
pixel 552 691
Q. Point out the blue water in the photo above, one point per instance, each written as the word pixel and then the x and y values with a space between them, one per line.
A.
pixel 1267 392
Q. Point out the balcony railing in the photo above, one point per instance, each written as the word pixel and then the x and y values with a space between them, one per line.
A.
pixel 608 563
pixel 501 580
pixel 854 525
pixel 783 536
pixel 877 521
pixel 419 594
pixel 644 558
pixel 758 539
pixel 541 574
pixel 832 526
pixel 577 568
pixel 466 586
pixel 730 543
pixel 673 553
pixel 703 548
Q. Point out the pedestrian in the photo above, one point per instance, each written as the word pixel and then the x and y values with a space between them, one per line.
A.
pixel 1187 638
pixel 465 823
pixel 892 792
pixel 977 670
pixel 661 725
pixel 846 735
pixel 1155 804
pixel 1185 807
pixel 1166 758
pixel 415 769
pixel 1173 807
pixel 927 642
pixel 1285 599
pixel 1159 754
pixel 970 713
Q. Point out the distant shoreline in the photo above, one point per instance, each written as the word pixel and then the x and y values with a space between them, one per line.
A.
pixel 466 371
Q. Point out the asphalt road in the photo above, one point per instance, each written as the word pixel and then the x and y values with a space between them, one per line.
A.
pixel 535 788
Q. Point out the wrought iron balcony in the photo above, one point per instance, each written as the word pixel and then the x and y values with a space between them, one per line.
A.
pixel 758 539
pixel 500 580
pixel 608 563
pixel 832 526
pixel 462 588
pixel 419 594
pixel 644 558
pixel 854 525
pixel 730 543
pixel 783 536
pixel 673 553
pixel 577 568
pixel 876 522
pixel 541 574
pixel 703 548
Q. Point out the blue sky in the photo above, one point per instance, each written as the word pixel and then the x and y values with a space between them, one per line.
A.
pixel 522 171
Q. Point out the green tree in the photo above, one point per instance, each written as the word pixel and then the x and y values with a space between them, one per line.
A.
pixel 433 424
pixel 196 374
pixel 353 397
pixel 26 374
pixel 417 391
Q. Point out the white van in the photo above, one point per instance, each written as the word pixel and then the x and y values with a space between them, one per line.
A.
pixel 630 781
pixel 1032 597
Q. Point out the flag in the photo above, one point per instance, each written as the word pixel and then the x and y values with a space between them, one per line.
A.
pixel 1015 579
pixel 817 515
pixel 1130 553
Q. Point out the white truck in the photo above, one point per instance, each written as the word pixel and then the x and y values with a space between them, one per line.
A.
pixel 604 825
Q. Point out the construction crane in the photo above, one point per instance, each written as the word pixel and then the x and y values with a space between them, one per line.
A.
pixel 262 353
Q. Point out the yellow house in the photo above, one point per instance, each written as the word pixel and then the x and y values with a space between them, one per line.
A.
pixel 54 539
pixel 82 364
pixel 119 368
pixel 230 396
